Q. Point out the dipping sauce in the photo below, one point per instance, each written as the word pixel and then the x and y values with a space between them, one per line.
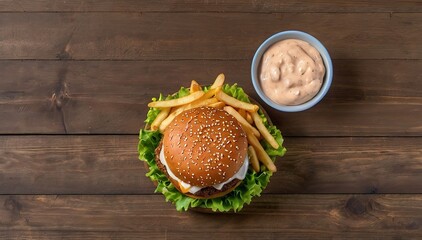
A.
pixel 291 72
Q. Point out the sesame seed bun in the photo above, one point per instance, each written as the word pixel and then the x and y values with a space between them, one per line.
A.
pixel 204 146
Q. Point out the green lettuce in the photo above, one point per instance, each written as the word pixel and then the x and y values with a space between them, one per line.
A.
pixel 253 184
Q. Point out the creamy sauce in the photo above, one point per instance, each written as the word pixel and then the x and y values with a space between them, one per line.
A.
pixel 193 189
pixel 291 72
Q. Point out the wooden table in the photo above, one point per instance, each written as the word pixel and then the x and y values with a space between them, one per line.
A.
pixel 75 78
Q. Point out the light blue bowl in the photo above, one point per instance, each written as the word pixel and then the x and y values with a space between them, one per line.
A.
pixel 292 35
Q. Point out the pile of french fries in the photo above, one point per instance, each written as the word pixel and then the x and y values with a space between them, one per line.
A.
pixel 245 113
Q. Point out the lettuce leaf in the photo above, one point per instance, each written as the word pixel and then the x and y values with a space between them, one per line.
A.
pixel 253 184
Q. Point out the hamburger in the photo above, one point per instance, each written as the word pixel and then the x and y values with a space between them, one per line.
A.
pixel 204 153
pixel 199 157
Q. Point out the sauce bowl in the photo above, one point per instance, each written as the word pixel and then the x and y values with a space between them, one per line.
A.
pixel 328 77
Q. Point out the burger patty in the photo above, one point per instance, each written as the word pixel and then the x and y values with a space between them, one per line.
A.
pixel 204 192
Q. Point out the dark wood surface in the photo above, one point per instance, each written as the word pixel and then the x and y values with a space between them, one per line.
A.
pixel 104 164
pixel 390 216
pixel 370 97
pixel 75 77
pixel 217 36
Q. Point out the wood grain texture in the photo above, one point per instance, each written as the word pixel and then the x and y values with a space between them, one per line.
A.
pixel 367 97
pixel 210 6
pixel 291 216
pixel 109 165
pixel 69 69
pixel 173 36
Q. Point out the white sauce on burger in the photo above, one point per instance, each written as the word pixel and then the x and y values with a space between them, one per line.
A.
pixel 193 189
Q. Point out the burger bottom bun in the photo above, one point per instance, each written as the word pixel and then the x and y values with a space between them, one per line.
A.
pixel 227 188
pixel 176 185
pixel 215 195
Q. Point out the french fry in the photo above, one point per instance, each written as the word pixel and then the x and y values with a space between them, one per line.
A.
pixel 195 105
pixel 219 81
pixel 260 152
pixel 207 95
pixel 205 99
pixel 236 103
pixel 219 105
pixel 205 102
pixel 242 121
pixel 249 118
pixel 177 102
pixel 183 108
pixel 264 131
pixel 194 87
pixel 210 93
pixel 173 109
pixel 167 122
pixel 160 118
pixel 253 158
pixel 242 112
